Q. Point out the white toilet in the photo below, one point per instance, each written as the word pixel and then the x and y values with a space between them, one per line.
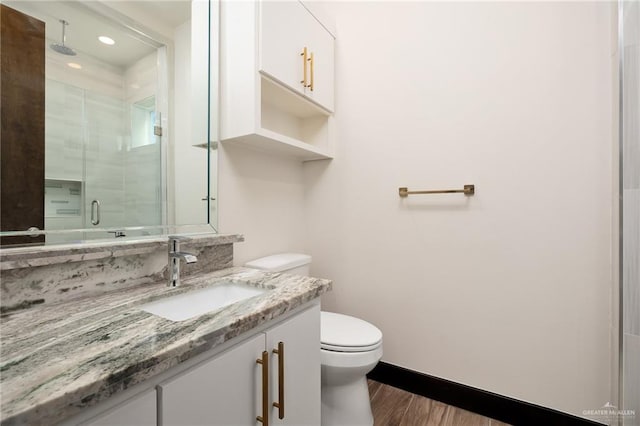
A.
pixel 349 349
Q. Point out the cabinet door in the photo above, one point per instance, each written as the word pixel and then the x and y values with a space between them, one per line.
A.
pixel 321 44
pixel 222 391
pixel 287 27
pixel 283 36
pixel 139 411
pixel 300 336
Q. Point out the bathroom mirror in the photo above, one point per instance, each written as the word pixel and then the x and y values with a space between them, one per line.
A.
pixel 118 142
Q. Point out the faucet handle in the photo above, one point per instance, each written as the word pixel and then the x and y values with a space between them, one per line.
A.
pixel 188 257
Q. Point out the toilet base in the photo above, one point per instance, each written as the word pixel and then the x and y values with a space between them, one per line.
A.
pixel 347 404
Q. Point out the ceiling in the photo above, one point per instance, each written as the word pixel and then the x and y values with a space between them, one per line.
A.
pixel 86 25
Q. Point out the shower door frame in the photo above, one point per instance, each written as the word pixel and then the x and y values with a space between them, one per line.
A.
pixel 623 287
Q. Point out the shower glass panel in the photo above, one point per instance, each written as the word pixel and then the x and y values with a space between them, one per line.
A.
pixel 102 161
pixel 630 208
pixel 64 157
pixel 142 183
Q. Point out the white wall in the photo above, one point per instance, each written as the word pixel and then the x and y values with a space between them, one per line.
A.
pixel 509 290
pixel 261 196
pixel 95 76
pixel 141 78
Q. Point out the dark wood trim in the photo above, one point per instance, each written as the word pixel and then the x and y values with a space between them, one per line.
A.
pixel 22 86
pixel 498 407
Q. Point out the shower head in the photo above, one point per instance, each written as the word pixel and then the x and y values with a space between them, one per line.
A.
pixel 65 50
pixel 61 48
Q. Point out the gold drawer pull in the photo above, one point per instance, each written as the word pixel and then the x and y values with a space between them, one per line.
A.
pixel 280 352
pixel 264 419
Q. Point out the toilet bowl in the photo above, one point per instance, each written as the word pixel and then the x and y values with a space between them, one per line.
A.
pixel 349 349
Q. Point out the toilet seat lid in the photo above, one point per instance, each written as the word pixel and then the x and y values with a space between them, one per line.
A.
pixel 343 333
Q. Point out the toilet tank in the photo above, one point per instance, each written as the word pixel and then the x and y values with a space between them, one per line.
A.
pixel 290 263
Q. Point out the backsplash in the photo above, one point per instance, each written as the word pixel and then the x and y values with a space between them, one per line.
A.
pixel 46 275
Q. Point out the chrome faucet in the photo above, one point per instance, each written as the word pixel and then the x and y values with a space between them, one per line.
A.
pixel 174 259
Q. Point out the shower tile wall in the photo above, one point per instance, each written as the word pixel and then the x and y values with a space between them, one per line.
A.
pixel 631 212
pixel 64 130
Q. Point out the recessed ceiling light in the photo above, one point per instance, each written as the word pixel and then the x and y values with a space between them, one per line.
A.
pixel 74 65
pixel 107 40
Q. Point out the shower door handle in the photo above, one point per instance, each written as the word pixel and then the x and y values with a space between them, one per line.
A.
pixel 95 212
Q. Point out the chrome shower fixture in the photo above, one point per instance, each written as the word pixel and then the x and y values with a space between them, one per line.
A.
pixel 61 48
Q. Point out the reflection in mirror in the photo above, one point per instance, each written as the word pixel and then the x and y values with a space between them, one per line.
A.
pixel 143 120
pixel 125 120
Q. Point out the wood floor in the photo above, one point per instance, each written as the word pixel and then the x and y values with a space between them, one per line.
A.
pixel 395 407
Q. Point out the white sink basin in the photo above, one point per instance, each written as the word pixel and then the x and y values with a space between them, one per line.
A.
pixel 198 302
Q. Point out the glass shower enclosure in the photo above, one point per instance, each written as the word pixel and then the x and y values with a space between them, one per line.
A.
pixel 102 160
pixel 629 184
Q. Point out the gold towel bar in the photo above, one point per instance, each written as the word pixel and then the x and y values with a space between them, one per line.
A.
pixel 468 190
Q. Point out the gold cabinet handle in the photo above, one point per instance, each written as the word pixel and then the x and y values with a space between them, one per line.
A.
pixel 280 404
pixel 311 63
pixel 264 419
pixel 305 56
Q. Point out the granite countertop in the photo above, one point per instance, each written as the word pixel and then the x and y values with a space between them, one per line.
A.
pixel 30 256
pixel 57 359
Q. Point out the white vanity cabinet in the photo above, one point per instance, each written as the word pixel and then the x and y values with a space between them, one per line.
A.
pixel 266 78
pixel 221 391
pixel 139 410
pixel 228 389
pixel 300 337
pixel 225 386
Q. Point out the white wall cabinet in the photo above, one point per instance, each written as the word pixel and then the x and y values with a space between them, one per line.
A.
pixel 287 28
pixel 266 100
